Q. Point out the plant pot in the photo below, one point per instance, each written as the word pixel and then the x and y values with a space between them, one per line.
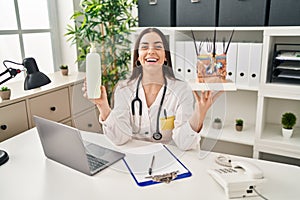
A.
pixel 217 125
pixel 64 72
pixel 287 133
pixel 5 95
pixel 238 127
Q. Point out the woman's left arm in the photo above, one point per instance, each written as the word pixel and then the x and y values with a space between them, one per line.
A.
pixel 183 134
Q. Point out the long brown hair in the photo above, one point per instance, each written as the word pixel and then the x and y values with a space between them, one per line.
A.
pixel 137 69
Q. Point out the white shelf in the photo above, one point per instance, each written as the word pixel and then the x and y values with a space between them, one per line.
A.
pixel 210 28
pixel 57 81
pixel 272 135
pixel 248 88
pixel 282 31
pixel 282 91
pixel 212 86
pixel 269 29
pixel 229 134
pixel 272 141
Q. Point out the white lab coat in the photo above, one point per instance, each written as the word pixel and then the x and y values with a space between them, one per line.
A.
pixel 178 102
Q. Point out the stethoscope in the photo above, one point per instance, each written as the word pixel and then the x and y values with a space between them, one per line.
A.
pixel 157 135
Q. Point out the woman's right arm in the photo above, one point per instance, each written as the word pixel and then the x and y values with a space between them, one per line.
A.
pixel 115 123
pixel 117 126
pixel 101 103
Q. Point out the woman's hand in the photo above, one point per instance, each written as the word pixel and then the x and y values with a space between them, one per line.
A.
pixel 203 103
pixel 101 103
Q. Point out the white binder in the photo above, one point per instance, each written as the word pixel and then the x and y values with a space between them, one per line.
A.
pixel 190 64
pixel 232 62
pixel 243 63
pixel 219 48
pixel 179 60
pixel 255 65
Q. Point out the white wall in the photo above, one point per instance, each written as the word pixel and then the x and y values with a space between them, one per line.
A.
pixel 65 9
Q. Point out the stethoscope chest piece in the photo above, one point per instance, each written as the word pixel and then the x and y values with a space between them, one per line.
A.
pixel 157 136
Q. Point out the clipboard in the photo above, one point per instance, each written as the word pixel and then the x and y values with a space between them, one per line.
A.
pixel 138 161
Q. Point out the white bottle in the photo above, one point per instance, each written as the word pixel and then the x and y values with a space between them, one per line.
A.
pixel 93 73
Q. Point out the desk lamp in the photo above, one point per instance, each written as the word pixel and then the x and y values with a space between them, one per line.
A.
pixel 34 79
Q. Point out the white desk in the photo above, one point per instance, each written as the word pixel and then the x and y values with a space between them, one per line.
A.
pixel 29 175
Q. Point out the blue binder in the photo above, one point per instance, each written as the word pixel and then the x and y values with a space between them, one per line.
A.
pixel 138 161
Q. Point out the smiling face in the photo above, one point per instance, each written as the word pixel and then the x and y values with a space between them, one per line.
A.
pixel 151 50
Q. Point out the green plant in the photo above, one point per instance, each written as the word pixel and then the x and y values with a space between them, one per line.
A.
pixel 239 122
pixel 63 67
pixel 288 120
pixel 4 88
pixel 108 24
pixel 217 120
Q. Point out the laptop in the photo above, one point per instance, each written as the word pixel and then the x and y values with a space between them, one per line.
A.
pixel 64 144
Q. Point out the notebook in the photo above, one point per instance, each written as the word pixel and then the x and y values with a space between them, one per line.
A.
pixel 64 144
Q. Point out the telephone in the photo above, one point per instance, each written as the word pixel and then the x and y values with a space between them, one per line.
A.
pixel 240 180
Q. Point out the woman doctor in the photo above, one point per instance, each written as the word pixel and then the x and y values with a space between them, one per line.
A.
pixel 152 104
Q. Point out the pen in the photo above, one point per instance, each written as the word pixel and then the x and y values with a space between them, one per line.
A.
pixel 151 165
pixel 165 113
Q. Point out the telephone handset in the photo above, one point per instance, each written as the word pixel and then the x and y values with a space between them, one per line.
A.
pixel 240 180
pixel 251 170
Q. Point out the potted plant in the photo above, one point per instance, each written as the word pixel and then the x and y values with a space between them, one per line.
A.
pixel 64 70
pixel 108 25
pixel 288 120
pixel 217 123
pixel 5 93
pixel 239 124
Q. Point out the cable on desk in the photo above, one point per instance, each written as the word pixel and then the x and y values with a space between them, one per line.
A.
pixel 260 195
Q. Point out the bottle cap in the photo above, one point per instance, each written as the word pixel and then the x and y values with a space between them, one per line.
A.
pixel 93 48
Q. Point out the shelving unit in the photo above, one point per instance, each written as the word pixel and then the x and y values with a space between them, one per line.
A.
pixel 261 107
pixel 276 99
pixel 231 105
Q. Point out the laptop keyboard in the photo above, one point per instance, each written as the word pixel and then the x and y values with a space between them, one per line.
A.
pixel 95 163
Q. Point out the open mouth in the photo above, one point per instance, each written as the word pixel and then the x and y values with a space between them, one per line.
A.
pixel 151 60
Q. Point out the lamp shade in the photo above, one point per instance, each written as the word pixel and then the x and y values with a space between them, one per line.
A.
pixel 34 78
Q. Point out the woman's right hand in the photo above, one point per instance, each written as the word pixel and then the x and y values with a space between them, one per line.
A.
pixel 101 103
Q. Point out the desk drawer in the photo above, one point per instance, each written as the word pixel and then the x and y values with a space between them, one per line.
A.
pixel 88 121
pixel 13 120
pixel 78 102
pixel 54 105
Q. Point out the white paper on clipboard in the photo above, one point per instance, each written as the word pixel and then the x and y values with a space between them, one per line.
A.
pixel 138 161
